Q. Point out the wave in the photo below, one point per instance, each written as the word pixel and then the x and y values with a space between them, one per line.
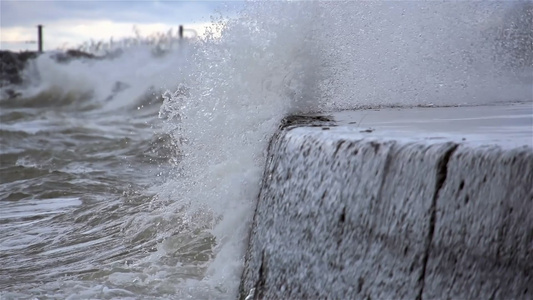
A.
pixel 278 59
pixel 222 98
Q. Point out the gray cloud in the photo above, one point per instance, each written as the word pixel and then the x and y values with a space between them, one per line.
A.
pixel 29 13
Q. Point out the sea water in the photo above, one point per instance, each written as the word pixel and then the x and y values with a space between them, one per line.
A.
pixel 136 176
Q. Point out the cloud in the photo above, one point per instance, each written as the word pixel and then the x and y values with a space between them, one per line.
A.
pixel 70 23
pixel 72 33
pixel 29 13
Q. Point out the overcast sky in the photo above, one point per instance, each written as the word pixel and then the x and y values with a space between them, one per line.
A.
pixel 68 23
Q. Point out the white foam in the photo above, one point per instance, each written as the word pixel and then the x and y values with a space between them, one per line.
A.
pixel 114 83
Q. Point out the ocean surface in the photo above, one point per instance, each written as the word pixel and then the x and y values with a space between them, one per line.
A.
pixel 135 176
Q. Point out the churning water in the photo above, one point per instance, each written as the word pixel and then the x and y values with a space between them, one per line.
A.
pixel 136 176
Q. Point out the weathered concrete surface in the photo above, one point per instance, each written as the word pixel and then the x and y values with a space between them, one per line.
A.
pixel 483 241
pixel 344 216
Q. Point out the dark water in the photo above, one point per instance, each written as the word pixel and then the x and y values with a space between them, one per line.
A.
pixel 71 175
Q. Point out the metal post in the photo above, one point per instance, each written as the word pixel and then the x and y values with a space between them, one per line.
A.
pixel 40 37
pixel 181 31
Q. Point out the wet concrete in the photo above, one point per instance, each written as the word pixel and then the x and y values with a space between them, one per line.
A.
pixel 347 213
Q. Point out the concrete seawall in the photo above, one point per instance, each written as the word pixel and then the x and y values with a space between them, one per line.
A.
pixel 344 213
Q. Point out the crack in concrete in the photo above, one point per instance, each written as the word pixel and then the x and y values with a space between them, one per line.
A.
pixel 442 173
pixel 259 287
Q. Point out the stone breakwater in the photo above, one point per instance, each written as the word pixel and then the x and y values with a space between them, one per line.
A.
pixel 351 216
pixel 12 65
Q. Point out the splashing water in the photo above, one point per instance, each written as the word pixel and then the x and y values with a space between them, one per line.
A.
pixel 226 94
pixel 284 58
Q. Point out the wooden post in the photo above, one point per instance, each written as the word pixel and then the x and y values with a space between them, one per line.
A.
pixel 40 37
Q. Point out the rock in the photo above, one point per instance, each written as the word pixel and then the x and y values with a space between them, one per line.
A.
pixel 12 64
pixel 69 55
